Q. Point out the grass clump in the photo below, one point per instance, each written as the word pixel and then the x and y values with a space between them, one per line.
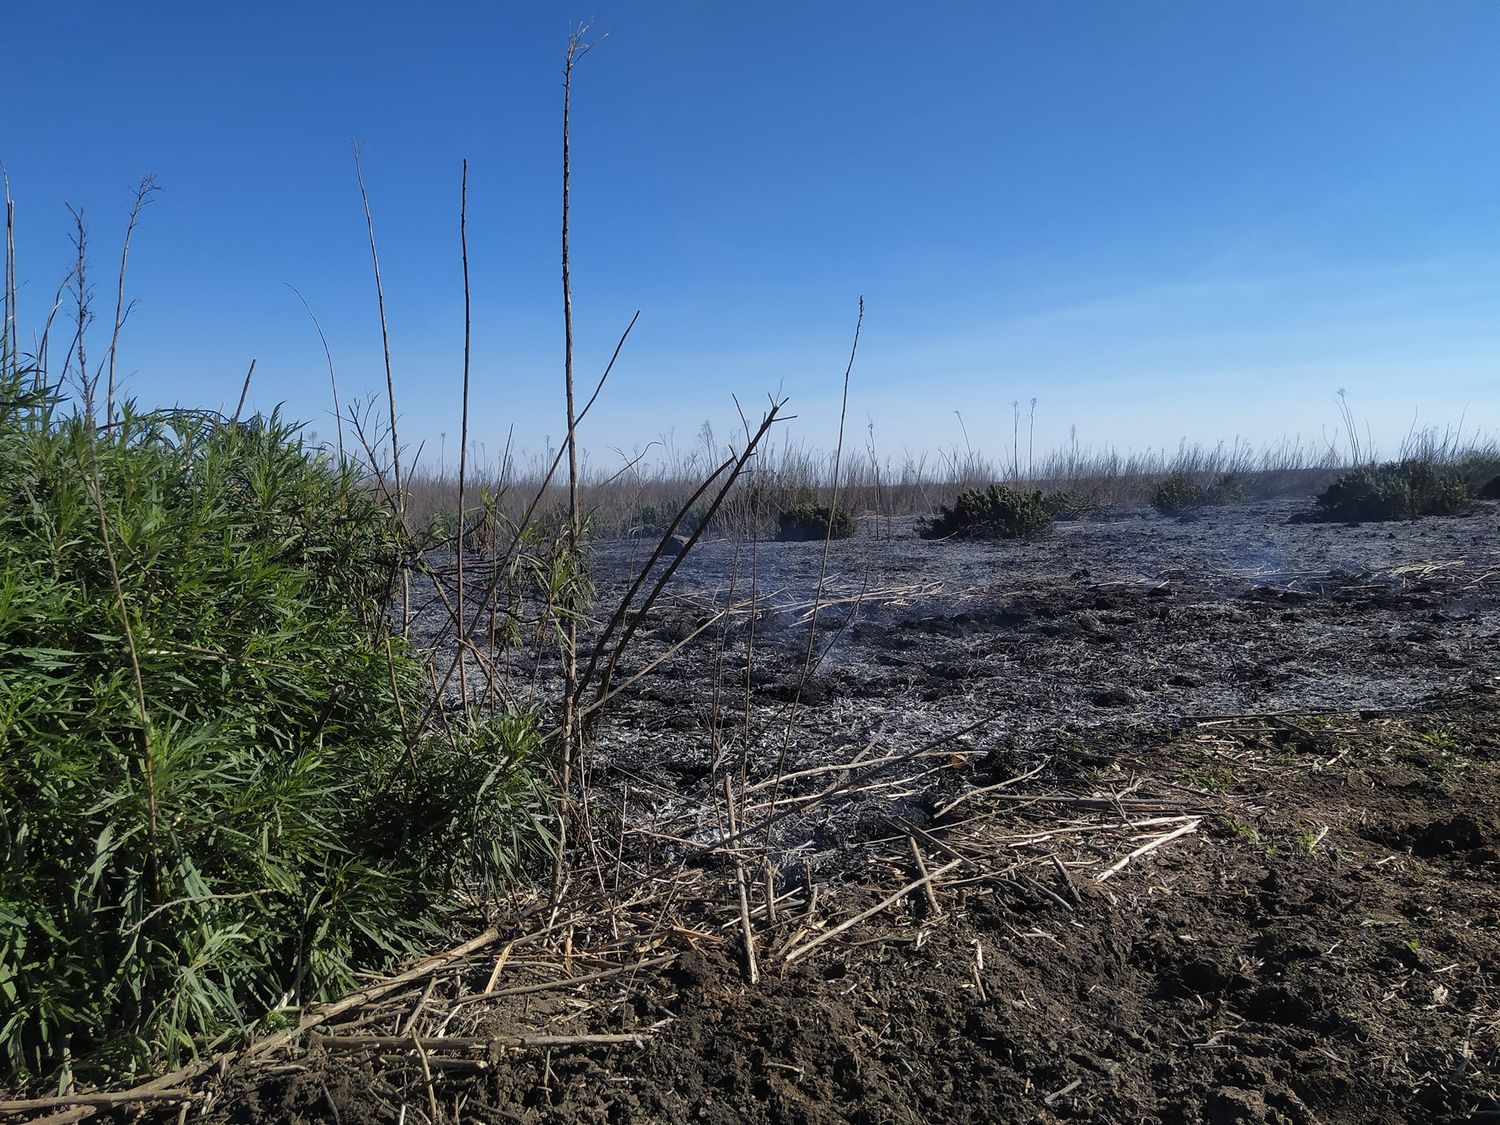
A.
pixel 996 512
pixel 814 521
pixel 1397 490
pixel 211 804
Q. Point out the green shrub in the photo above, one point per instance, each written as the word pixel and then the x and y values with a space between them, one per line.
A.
pixel 266 827
pixel 814 521
pixel 996 512
pixel 1179 494
pixel 1397 490
pixel 442 527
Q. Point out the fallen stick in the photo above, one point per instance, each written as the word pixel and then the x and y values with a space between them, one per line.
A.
pixel 1067 879
pixel 470 1042
pixel 854 764
pixel 102 1099
pixel 747 930
pixel 1022 840
pixel 167 1087
pixel 67 1116
pixel 1101 803
pixel 1167 838
pixel 933 909
pixel 803 950
pixel 812 798
pixel 565 982
pixel 1006 784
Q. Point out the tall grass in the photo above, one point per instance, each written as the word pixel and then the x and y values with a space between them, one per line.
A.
pixel 637 498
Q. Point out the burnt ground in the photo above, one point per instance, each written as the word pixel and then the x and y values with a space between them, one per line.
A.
pixel 1106 631
pixel 1210 809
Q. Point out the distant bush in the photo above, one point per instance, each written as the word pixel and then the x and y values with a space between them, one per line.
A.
pixel 1491 491
pixel 265 825
pixel 814 521
pixel 996 512
pixel 1478 467
pixel 652 520
pixel 1180 494
pixel 1065 505
pixel 1397 490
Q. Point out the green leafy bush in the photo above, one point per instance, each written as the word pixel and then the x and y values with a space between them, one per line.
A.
pixel 814 521
pixel 996 512
pixel 1397 490
pixel 265 825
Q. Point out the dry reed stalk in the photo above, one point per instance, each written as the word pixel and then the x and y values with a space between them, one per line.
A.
pixel 385 334
pixel 576 48
pixel 806 948
pixel 333 381
pixel 566 982
pixel 1006 784
pixel 472 1043
pixel 933 909
pixel 1155 843
pixel 812 632
pixel 8 342
pixel 747 930
pixel 734 467
pixel 390 384
pixel 460 618
pixel 81 314
pixel 102 1099
pixel 244 391
pixel 143 193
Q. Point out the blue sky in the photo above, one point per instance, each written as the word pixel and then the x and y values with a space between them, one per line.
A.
pixel 1161 220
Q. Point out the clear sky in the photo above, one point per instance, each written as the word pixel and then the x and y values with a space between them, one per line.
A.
pixel 1161 220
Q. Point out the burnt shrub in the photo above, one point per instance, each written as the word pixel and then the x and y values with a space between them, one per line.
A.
pixel 653 520
pixel 996 512
pixel 1180 494
pixel 1397 490
pixel 1065 505
pixel 814 521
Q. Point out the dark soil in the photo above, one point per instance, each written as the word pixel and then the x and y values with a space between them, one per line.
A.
pixel 1309 708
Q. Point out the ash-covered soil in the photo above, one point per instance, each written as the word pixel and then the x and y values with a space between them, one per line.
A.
pixel 1211 811
pixel 1113 629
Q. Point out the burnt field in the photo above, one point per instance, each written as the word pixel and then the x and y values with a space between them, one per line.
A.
pixel 1146 820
